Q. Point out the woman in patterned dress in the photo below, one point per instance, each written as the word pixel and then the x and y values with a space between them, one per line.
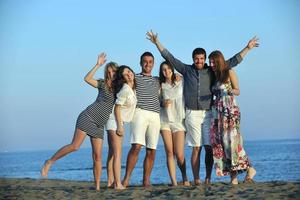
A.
pixel 226 139
pixel 91 121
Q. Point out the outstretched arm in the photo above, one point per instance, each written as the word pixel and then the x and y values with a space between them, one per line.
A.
pixel 251 44
pixel 177 64
pixel 153 37
pixel 89 77
pixel 236 59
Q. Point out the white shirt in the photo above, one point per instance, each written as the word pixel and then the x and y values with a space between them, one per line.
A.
pixel 174 112
pixel 126 97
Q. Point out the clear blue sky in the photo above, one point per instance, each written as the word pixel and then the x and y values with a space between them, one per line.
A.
pixel 47 47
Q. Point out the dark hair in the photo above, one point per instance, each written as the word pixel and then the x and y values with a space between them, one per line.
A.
pixel 199 51
pixel 119 80
pixel 162 78
pixel 222 71
pixel 147 53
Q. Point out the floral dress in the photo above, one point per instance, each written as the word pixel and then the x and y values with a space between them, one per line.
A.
pixel 226 140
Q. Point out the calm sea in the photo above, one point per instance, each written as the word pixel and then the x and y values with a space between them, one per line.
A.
pixel 273 160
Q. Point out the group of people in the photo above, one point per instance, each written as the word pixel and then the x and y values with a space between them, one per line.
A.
pixel 197 107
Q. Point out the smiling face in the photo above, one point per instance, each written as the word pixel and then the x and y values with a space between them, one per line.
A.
pixel 111 73
pixel 167 71
pixel 199 61
pixel 128 75
pixel 212 64
pixel 147 64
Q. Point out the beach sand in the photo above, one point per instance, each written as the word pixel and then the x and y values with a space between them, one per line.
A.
pixel 61 189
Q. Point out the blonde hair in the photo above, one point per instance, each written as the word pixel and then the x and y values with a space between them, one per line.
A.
pixel 115 67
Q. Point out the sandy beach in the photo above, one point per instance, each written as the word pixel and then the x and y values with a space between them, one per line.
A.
pixel 61 189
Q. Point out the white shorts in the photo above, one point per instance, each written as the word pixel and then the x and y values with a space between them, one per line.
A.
pixel 145 127
pixel 111 124
pixel 172 126
pixel 197 123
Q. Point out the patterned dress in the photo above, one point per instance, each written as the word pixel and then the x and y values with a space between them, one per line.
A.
pixel 95 116
pixel 226 140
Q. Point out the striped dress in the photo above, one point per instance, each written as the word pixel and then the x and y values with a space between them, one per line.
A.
pixel 147 92
pixel 93 119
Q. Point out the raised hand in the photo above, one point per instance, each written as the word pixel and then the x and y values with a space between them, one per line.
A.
pixel 253 43
pixel 101 59
pixel 153 37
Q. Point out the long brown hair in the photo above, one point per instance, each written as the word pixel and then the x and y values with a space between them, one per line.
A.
pixel 115 67
pixel 162 78
pixel 119 81
pixel 221 69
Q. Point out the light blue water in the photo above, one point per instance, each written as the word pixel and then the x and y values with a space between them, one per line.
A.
pixel 273 160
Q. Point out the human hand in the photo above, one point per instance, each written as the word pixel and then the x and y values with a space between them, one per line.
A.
pixel 167 103
pixel 101 59
pixel 120 131
pixel 152 37
pixel 253 43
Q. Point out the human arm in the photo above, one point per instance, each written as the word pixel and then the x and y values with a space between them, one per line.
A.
pixel 120 128
pixel 177 64
pixel 236 59
pixel 234 83
pixel 89 77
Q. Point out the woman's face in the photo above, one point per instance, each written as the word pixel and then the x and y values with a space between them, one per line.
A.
pixel 167 72
pixel 128 76
pixel 111 72
pixel 212 64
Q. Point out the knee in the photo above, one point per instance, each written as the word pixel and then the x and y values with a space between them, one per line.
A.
pixel 169 154
pixel 180 158
pixel 151 154
pixel 196 150
pixel 74 147
pixel 135 149
pixel 97 157
pixel 208 149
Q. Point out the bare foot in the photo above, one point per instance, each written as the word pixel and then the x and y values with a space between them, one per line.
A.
pixel 186 183
pixel 147 185
pixel 207 181
pixel 250 174
pixel 125 183
pixel 234 180
pixel 45 169
pixel 119 187
pixel 110 184
pixel 197 182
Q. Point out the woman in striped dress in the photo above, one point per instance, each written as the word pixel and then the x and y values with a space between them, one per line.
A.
pixel 91 121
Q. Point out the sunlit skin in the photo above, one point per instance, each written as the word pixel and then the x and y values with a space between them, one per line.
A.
pixel 128 75
pixel 111 73
pixel 147 65
pixel 199 61
pixel 167 72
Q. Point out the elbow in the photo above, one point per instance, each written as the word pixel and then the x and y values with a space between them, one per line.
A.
pixel 237 93
pixel 86 79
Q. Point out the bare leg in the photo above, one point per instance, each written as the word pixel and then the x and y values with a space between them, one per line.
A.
pixel 78 138
pixel 209 162
pixel 168 143
pixel 97 160
pixel 109 160
pixel 148 165
pixel 250 175
pixel 234 180
pixel 178 144
pixel 117 151
pixel 195 162
pixel 132 158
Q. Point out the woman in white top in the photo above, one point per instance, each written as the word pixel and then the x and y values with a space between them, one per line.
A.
pixel 172 121
pixel 123 112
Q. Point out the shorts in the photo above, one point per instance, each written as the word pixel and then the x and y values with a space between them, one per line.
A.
pixel 197 123
pixel 172 126
pixel 145 127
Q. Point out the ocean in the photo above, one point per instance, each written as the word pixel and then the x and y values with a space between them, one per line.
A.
pixel 274 160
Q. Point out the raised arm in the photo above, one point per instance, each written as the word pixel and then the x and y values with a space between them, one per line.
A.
pixel 236 59
pixel 234 82
pixel 177 64
pixel 89 77
pixel 251 44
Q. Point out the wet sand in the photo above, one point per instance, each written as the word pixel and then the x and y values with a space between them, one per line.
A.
pixel 61 189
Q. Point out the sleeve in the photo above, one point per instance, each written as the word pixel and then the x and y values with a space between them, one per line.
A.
pixel 177 64
pixel 122 96
pixel 234 61
pixel 101 83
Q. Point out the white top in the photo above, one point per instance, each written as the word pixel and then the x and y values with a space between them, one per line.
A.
pixel 174 112
pixel 126 97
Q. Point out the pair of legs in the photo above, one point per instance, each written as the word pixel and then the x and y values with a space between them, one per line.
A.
pixel 131 162
pixel 195 162
pixel 174 147
pixel 114 160
pixel 78 138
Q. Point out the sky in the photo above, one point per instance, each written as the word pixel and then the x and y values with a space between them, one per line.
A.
pixel 47 47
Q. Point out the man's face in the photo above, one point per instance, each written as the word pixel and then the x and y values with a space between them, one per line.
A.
pixel 147 64
pixel 199 61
